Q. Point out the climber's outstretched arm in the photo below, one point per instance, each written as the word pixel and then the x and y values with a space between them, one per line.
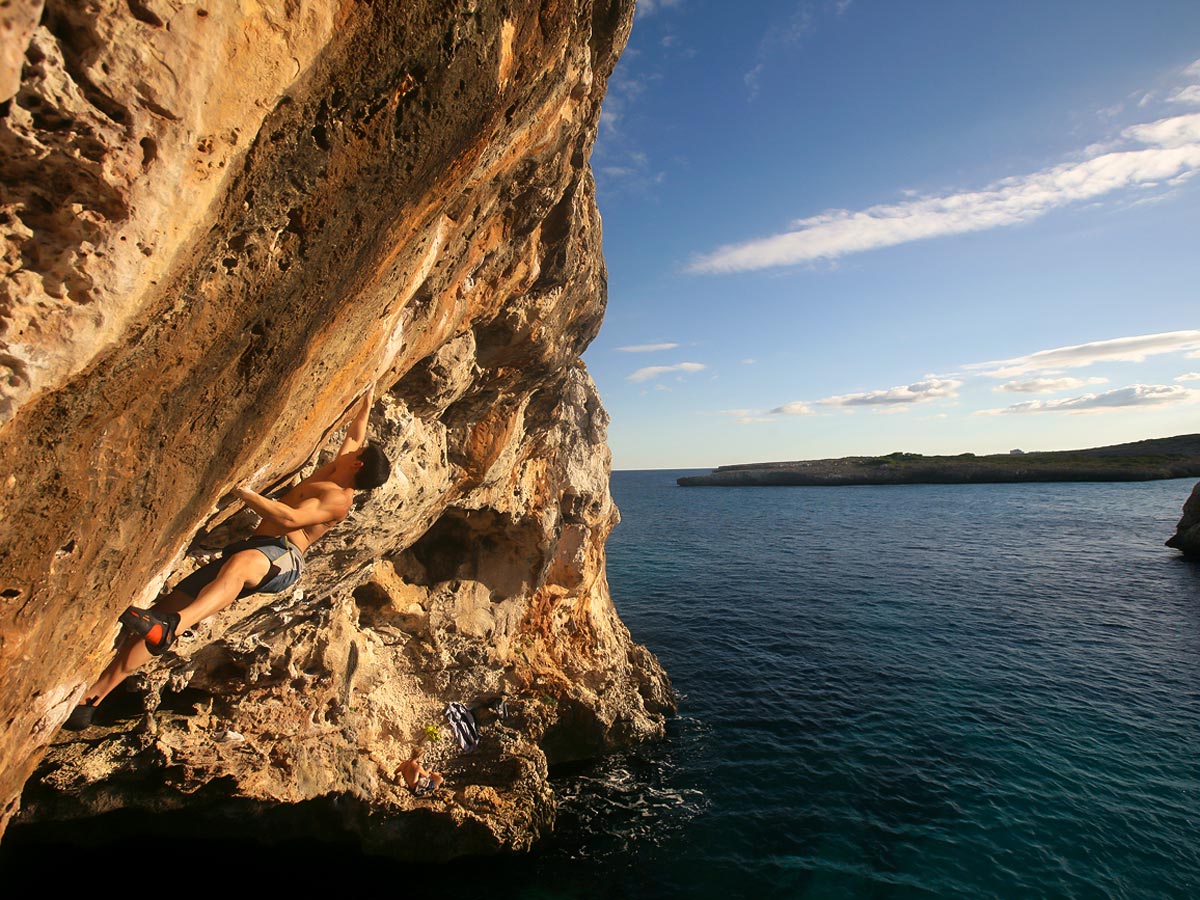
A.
pixel 357 432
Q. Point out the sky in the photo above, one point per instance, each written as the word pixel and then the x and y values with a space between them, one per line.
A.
pixel 854 227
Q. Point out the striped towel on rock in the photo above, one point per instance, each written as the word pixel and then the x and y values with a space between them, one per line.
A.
pixel 462 723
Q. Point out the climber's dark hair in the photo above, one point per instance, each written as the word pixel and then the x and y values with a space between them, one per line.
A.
pixel 375 468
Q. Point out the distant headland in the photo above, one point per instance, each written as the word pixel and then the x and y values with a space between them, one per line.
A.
pixel 1172 457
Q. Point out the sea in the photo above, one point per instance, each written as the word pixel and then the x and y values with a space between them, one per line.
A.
pixel 920 691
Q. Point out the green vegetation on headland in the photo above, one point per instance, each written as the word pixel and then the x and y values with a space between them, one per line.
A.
pixel 1173 457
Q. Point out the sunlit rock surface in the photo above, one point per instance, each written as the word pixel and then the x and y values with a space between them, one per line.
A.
pixel 220 221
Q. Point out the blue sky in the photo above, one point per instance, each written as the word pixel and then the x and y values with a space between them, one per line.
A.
pixel 840 227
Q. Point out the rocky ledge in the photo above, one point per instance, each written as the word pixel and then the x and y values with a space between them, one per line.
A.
pixel 219 222
pixel 1174 457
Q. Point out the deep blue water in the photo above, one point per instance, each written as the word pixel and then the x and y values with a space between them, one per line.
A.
pixel 951 691
pixel 918 691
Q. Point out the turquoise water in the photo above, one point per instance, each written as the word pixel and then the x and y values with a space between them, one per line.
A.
pixel 923 691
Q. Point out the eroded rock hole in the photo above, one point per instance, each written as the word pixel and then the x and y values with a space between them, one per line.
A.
pixel 149 151
pixel 143 13
pixel 445 550
pixel 486 546
pixel 320 136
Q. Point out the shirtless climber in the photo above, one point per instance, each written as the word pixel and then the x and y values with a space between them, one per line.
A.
pixel 268 562
pixel 420 780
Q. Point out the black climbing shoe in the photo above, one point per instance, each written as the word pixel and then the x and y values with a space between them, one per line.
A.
pixel 81 716
pixel 158 630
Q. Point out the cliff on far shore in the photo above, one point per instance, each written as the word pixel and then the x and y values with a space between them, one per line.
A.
pixel 218 223
pixel 1173 457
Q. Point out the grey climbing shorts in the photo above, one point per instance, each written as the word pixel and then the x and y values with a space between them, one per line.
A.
pixel 287 562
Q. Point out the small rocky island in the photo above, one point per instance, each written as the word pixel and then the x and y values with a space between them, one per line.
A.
pixel 1173 457
pixel 1187 533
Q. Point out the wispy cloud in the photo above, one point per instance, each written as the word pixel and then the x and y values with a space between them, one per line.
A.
pixel 1047 385
pixel 795 408
pixel 646 348
pixel 747 416
pixel 1190 376
pixel 893 399
pixel 779 37
pixel 650 7
pixel 1189 94
pixel 902 395
pixel 1136 395
pixel 1125 349
pixel 648 373
pixel 1170 150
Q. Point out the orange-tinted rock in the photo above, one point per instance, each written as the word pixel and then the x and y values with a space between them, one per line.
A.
pixel 217 229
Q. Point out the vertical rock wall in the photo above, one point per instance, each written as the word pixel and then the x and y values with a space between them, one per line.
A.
pixel 221 220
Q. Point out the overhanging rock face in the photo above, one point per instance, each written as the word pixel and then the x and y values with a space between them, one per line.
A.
pixel 220 222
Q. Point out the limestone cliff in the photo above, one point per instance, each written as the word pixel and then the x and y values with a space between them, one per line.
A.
pixel 1186 538
pixel 220 220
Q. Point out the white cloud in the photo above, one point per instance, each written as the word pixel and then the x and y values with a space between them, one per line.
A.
pixel 1174 133
pixel 1171 148
pixel 903 395
pixel 1189 94
pixel 646 348
pixel 1047 385
pixel 1190 376
pixel 896 399
pixel 1123 398
pixel 650 372
pixel 1126 349
pixel 749 361
pixel 795 408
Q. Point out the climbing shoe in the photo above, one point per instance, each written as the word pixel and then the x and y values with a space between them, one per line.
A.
pixel 81 716
pixel 158 630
